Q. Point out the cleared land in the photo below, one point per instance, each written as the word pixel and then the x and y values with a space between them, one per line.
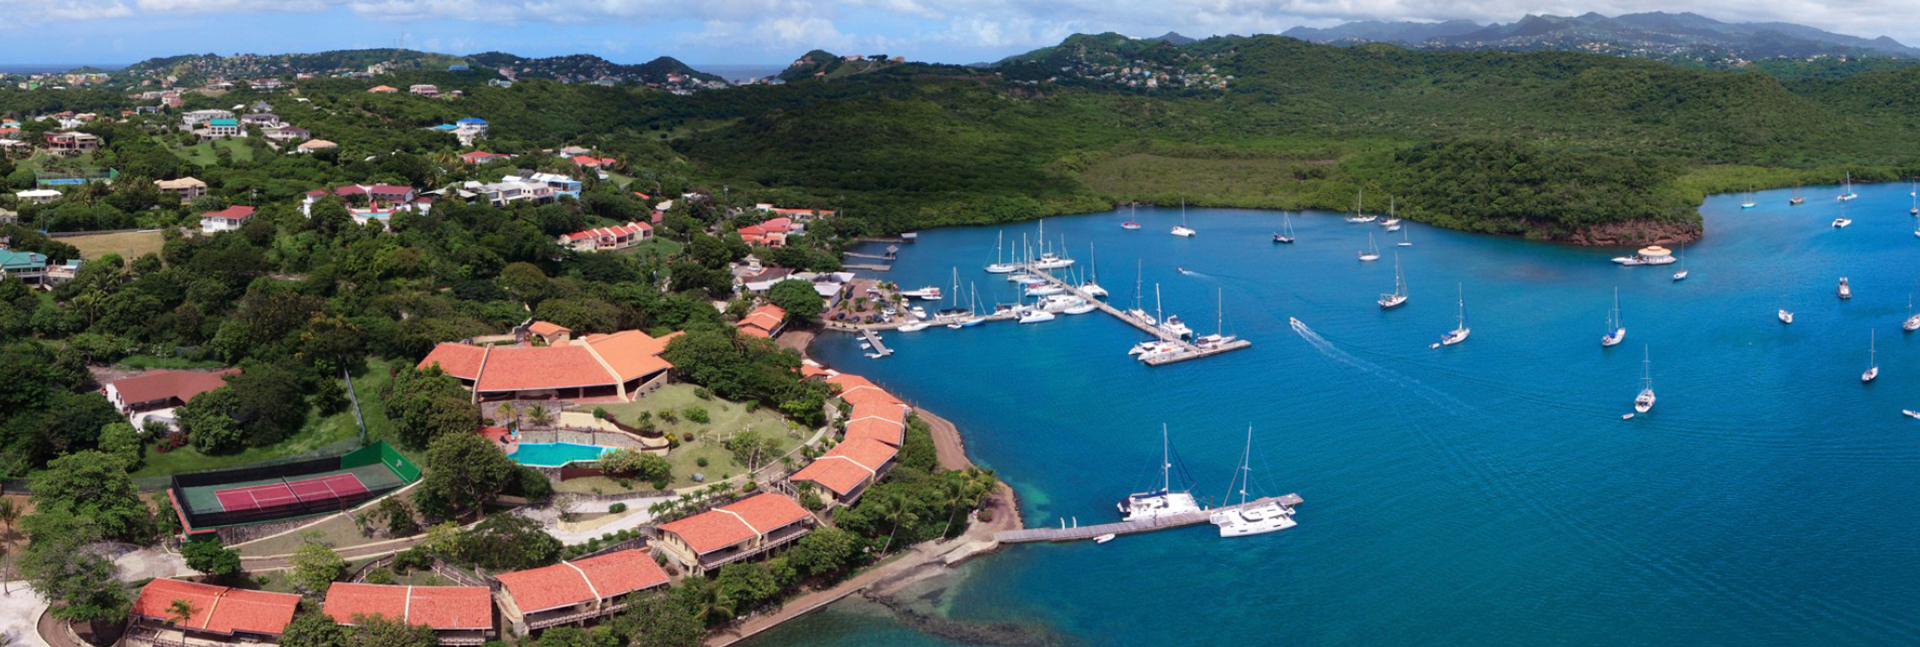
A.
pixel 726 420
pixel 129 245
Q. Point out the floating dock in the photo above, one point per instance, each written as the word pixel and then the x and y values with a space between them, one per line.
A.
pixel 874 267
pixel 1187 349
pixel 1080 533
pixel 874 341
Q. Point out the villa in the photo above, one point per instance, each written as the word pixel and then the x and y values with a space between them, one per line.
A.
pixel 71 143
pixel 608 238
pixel 30 267
pixel 607 367
pixel 772 233
pixel 220 129
pixel 228 219
pixel 577 591
pixel 154 395
pixel 424 90
pixel 846 470
pixel 187 188
pixel 38 196
pixel 196 118
pixel 313 145
pixel 285 133
pixel 477 158
pixel 221 615
pixel 876 414
pixel 458 615
pixel 763 322
pixel 370 202
pixel 743 529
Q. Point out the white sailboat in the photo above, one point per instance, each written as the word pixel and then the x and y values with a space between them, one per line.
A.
pixel 1797 199
pixel 1165 501
pixel 1915 211
pixel 1847 192
pixel 1616 329
pixel 1749 204
pixel 1285 235
pixel 1139 312
pixel 1845 290
pixel 1356 217
pixel 1399 296
pixel 1913 320
pixel 1392 223
pixel 1247 520
pixel 1644 402
pixel 1873 363
pixel 1091 287
pixel 1404 241
pixel 1842 221
pixel 1460 331
pixel 999 264
pixel 1372 252
pixel 1219 336
pixel 1682 274
pixel 1183 230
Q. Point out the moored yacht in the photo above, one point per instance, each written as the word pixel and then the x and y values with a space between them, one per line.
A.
pixel 1032 315
pixel 1129 225
pixel 1162 502
pixel 1460 331
pixel 1784 316
pixel 1797 199
pixel 1841 223
pixel 1649 255
pixel 1846 291
pixel 1616 330
pixel 1357 218
pixel 1285 235
pixel 916 326
pixel 1873 365
pixel 1251 520
pixel 924 294
pixel 1913 320
pixel 1182 230
pixel 1643 402
pixel 1847 193
pixel 1399 296
pixel 1052 261
pixel 1371 253
pixel 1173 326
pixel 1044 290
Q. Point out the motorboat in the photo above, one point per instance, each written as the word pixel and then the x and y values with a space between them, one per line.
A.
pixel 1912 323
pixel 1183 231
pixel 1910 413
pixel 1164 501
pixel 1033 315
pixel 1173 326
pixel 1846 291
pixel 1784 317
pixel 1103 538
pixel 1841 223
pixel 1130 225
pixel 918 312
pixel 1051 261
pixel 923 294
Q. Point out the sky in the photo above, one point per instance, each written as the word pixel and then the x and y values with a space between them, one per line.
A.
pixel 771 32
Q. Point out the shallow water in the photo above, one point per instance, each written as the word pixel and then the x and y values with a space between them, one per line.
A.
pixel 1486 493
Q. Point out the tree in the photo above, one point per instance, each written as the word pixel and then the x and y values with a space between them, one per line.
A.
pixel 895 507
pixel 427 404
pixel 825 551
pixel 208 421
pixel 95 486
pixel 539 415
pixel 748 585
pixel 465 472
pixel 797 298
pixel 315 566
pixel 379 631
pixel 639 464
pixel 396 515
pixel 121 440
pixel 59 566
pixel 661 619
pixel 210 557
pixel 180 611
pixel 508 542
pixel 9 513
pixel 314 629
pixel 268 401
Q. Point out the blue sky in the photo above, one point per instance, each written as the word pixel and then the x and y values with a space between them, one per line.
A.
pixel 768 31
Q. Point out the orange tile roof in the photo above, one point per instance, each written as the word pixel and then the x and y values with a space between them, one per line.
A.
pixel 737 522
pixel 870 396
pixel 518 368
pixel 848 464
pixel 889 411
pixel 762 320
pixel 810 368
pixel 632 353
pixel 878 429
pixel 459 360
pixel 596 578
pixel 546 328
pixel 440 607
pixel 162 384
pixel 218 609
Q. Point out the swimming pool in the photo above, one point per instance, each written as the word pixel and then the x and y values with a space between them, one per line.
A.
pixel 555 454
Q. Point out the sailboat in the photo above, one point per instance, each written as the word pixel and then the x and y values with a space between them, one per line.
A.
pixel 1682 274
pixel 1285 235
pixel 1797 199
pixel 1153 504
pixel 1915 211
pixel 999 264
pixel 1130 224
pixel 1356 217
pixel 1644 402
pixel 1399 296
pixel 1873 364
pixel 1372 252
pixel 1183 230
pixel 1219 336
pixel 1616 330
pixel 1139 312
pixel 1169 324
pixel 1749 204
pixel 1848 193
pixel 1392 223
pixel 1247 520
pixel 1842 221
pixel 1404 242
pixel 1092 285
pixel 1459 332
pixel 1913 320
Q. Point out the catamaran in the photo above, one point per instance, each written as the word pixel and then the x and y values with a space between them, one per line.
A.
pixel 1372 252
pixel 1682 274
pixel 1749 204
pixel 1286 226
pixel 1169 324
pixel 1091 287
pixel 1153 504
pixel 1616 329
pixel 1644 402
pixel 1848 193
pixel 1399 296
pixel 1842 221
pixel 1356 217
pixel 1183 230
pixel 999 264
pixel 1219 336
pixel 1460 331
pixel 1873 364
pixel 1250 520
pixel 1797 199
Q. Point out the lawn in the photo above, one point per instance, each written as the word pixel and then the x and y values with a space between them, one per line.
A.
pixel 319 432
pixel 338 532
pixel 725 420
pixel 204 155
pixel 660 247
pixel 129 245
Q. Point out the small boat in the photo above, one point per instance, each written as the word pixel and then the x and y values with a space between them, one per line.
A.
pixel 1911 413
pixel 1092 289
pixel 1784 316
pixel 1644 402
pixel 1143 315
pixel 999 264
pixel 1173 326
pixel 1001 268
pixel 1357 219
pixel 1915 210
pixel 1839 223
pixel 1797 199
pixel 1403 239
pixel 1749 204
pixel 1846 291
pixel 1616 331
pixel 1033 315
pixel 1052 261
pixel 1459 332
pixel 1182 270
pixel 1026 279
pixel 1103 538
pixel 1626 416
pixel 1129 225
pixel 1372 252
pixel 917 312
pixel 923 294
pixel 1682 274
pixel 1649 255
pixel 1285 235
pixel 1165 501
pixel 1182 230
pixel 1873 364
pixel 1399 296
pixel 916 326
pixel 1848 193
pixel 1390 224
pixel 1044 290
pixel 1913 320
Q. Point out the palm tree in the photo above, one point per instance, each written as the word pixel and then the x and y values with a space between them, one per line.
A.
pixel 508 412
pixel 539 416
pixel 954 494
pixel 180 611
pixel 9 513
pixel 896 509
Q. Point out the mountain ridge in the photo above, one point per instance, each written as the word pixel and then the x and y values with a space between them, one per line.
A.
pixel 1648 34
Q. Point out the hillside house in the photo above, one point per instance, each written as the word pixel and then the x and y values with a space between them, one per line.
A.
pixel 615 367
pixel 737 531
pixel 577 591
pixel 315 145
pixel 424 89
pixel 221 615
pixel 71 143
pixel 606 239
pixel 187 189
pixel 458 615
pixel 228 219
pixel 763 322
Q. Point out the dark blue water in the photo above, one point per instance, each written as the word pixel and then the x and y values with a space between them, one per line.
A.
pixel 1486 493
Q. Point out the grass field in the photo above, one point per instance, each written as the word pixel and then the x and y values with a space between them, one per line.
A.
pixel 338 532
pixel 319 432
pixel 726 419
pixel 204 155
pixel 660 247
pixel 129 245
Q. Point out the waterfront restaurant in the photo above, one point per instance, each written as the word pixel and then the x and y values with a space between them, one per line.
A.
pixel 220 615
pixel 743 529
pixel 459 615
pixel 575 592
pixel 846 470
pixel 616 367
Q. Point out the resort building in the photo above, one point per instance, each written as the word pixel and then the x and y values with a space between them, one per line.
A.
pixel 772 233
pixel 608 238
pixel 876 414
pixel 220 129
pixel 609 367
pixel 575 592
pixel 221 615
pixel 845 471
pixel 459 615
pixel 197 118
pixel 424 90
pixel 228 219
pixel 37 196
pixel 154 395
pixel 550 333
pixel 733 532
pixel 763 322
pixel 30 267
pixel 71 143
pixel 187 189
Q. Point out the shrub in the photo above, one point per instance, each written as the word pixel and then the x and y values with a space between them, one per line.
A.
pixel 380 576
pixel 600 413
pixel 697 414
pixel 703 393
pixel 617 508
pixel 667 415
pixel 701 461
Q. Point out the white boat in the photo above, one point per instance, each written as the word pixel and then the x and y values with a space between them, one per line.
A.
pixel 1250 520
pixel 1404 242
pixel 1044 290
pixel 1092 285
pixel 1357 218
pixel 1460 331
pixel 1093 289
pixel 1873 364
pixel 1649 255
pixel 1915 210
pixel 1846 291
pixel 1165 501
pixel 1129 225
pixel 1001 268
pixel 1182 230
pixel 1173 326
pixel 1372 252
pixel 1749 204
pixel 917 312
pixel 1399 296
pixel 924 294
pixel 1026 279
pixel 1152 347
pixel 1033 315
pixel 1913 320
pixel 1616 330
pixel 1219 337
pixel 916 326
pixel 1052 261
pixel 999 264
pixel 1080 309
pixel 1644 402
pixel 1797 199
pixel 1103 538
pixel 1682 274
pixel 1784 316
pixel 1285 235
pixel 1841 223
pixel 1848 193
pixel 1911 413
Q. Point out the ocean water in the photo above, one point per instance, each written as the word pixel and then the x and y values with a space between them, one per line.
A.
pixel 1485 493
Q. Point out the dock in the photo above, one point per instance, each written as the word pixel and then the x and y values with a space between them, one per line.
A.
pixel 866 266
pixel 874 340
pixel 1080 533
pixel 1187 349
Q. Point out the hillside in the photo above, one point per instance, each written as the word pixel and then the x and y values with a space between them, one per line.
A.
pixel 587 68
pixel 1647 35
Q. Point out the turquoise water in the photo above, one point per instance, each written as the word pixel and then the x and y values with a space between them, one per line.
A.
pixel 1486 493
pixel 554 454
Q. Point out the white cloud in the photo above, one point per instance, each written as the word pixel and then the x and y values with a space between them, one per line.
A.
pixel 25 13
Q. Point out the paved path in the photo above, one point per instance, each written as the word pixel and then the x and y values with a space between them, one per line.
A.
pixel 636 516
pixel 20 613
pixel 947 443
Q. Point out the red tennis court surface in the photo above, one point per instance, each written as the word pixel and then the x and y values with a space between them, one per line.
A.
pixel 325 488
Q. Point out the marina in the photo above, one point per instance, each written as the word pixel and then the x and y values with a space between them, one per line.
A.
pixel 1079 533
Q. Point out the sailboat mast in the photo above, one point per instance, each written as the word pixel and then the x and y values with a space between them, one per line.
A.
pixel 1246 465
pixel 1166 461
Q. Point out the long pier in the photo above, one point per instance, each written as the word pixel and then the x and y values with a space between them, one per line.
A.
pixel 1079 533
pixel 873 267
pixel 1187 349
pixel 874 340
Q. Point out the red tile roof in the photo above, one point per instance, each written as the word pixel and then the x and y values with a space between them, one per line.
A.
pixel 459 360
pixel 162 384
pixel 547 328
pixel 596 578
pixel 596 360
pixel 628 229
pixel 762 321
pixel 737 522
pixel 877 429
pixel 440 607
pixel 632 353
pixel 479 156
pixel 230 213
pixel 218 609
pixel 810 368
pixel 848 465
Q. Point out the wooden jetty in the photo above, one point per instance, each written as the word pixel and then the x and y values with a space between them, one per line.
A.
pixel 874 340
pixel 1187 349
pixel 866 266
pixel 877 257
pixel 1079 533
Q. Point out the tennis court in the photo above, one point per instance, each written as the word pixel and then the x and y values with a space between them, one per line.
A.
pixel 288 490
pixel 337 486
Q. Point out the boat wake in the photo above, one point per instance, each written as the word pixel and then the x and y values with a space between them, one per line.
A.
pixel 1451 405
